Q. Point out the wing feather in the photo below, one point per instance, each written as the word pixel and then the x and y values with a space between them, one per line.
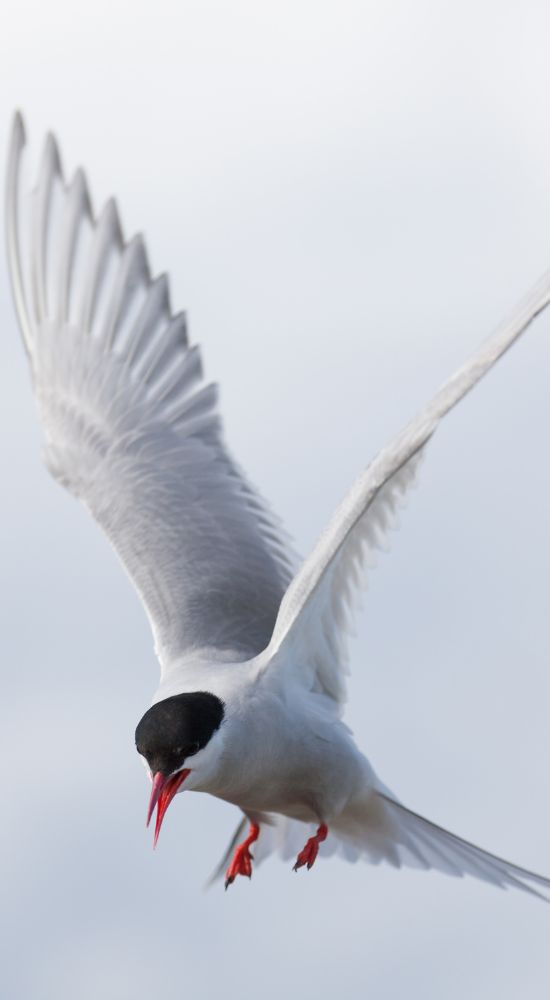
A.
pixel 107 240
pixel 77 207
pixel 316 611
pixel 132 273
pixel 50 171
pixel 131 427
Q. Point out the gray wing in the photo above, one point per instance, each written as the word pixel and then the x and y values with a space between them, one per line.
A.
pixel 131 428
pixel 310 632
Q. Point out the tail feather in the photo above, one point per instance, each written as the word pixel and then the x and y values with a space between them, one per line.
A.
pixel 446 852
pixel 380 829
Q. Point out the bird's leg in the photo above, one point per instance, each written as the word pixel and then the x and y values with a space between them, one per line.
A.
pixel 311 850
pixel 242 858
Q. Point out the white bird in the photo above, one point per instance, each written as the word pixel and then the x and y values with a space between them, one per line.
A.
pixel 253 659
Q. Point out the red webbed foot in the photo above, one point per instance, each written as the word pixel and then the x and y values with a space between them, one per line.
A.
pixel 311 850
pixel 242 858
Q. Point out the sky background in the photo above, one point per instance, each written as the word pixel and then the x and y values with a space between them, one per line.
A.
pixel 348 197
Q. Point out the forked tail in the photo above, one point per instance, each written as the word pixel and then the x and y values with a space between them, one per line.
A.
pixel 381 829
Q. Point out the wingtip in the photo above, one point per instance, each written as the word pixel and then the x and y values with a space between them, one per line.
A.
pixel 18 131
pixel 17 143
pixel 111 213
pixel 138 248
pixel 52 155
pixel 80 182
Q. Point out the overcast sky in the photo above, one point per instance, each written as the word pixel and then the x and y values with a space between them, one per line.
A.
pixel 348 197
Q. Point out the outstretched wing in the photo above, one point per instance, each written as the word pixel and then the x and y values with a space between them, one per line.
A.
pixel 315 612
pixel 131 427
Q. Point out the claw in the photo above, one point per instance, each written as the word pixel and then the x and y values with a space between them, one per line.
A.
pixel 308 855
pixel 242 858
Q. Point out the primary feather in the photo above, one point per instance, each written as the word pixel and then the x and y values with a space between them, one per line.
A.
pixel 131 427
pixel 316 610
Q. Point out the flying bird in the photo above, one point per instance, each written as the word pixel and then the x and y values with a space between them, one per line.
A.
pixel 252 654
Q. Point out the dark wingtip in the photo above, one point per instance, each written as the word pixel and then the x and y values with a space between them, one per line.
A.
pixel 18 128
pixel 51 152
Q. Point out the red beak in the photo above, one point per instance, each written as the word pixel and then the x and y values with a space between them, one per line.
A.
pixel 162 793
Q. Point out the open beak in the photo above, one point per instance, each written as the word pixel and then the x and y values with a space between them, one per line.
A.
pixel 162 793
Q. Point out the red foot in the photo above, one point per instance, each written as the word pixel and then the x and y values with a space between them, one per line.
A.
pixel 311 850
pixel 242 858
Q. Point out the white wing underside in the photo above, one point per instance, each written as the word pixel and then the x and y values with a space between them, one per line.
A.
pixel 131 428
pixel 309 639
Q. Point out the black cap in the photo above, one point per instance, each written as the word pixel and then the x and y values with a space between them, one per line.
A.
pixel 176 728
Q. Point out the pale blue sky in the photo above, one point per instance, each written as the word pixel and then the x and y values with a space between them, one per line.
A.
pixel 348 197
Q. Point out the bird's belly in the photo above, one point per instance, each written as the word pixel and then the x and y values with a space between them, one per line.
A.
pixel 258 803
pixel 311 783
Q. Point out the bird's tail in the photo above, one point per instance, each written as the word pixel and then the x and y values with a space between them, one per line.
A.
pixel 380 829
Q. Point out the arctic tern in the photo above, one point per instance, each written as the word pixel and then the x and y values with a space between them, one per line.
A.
pixel 252 655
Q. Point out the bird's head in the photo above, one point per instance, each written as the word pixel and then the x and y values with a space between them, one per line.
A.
pixel 169 736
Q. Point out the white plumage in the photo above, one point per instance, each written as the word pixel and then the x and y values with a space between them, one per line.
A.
pixel 132 429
